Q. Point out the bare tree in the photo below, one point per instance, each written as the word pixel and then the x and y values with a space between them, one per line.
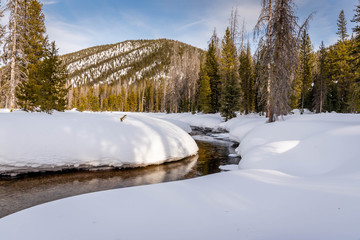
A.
pixel 2 82
pixel 14 50
pixel 279 53
pixel 234 25
pixel 265 22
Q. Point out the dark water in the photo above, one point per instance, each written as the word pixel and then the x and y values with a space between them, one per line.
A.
pixel 20 193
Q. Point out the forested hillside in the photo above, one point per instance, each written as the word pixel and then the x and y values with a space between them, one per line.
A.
pixel 142 75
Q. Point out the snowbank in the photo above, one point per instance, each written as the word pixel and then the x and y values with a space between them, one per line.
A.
pixel 311 144
pixel 196 120
pixel 35 141
pixel 245 204
pixel 298 179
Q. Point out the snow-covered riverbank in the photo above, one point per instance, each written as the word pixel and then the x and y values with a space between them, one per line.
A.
pixel 298 179
pixel 38 141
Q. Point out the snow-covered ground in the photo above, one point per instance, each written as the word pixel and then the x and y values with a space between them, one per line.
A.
pixel 299 178
pixel 38 141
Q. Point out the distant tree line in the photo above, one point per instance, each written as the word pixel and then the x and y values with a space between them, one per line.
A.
pixel 32 77
pixel 285 72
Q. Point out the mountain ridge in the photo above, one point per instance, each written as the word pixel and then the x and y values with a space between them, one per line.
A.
pixel 96 64
pixel 161 73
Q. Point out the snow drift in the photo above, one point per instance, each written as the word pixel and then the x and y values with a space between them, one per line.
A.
pixel 38 141
pixel 312 144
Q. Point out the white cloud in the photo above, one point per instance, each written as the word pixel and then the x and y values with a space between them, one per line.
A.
pixel 48 2
pixel 69 38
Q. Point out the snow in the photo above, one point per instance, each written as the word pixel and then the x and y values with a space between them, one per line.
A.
pixel 298 179
pixel 44 142
pixel 196 120
pixel 304 145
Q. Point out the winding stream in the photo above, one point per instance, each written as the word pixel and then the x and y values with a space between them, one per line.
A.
pixel 21 193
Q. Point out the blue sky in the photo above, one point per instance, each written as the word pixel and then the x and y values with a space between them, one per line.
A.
pixel 78 24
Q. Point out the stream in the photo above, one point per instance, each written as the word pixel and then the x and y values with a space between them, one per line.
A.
pixel 23 192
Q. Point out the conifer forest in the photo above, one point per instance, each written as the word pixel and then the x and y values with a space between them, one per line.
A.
pixel 284 72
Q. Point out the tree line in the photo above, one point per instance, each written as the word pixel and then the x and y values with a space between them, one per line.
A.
pixel 32 77
pixel 285 72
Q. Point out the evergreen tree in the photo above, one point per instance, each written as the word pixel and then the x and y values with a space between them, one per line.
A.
pixel 320 80
pixel 35 35
pixel 53 82
pixel 119 102
pixel 356 47
pixel 355 53
pixel 341 85
pixel 25 47
pixel 229 73
pixel 35 44
pixel 212 71
pixel 82 104
pixel 110 103
pixel 92 101
pixel 260 72
pixel 247 80
pixel 132 101
pixel 305 67
pixel 46 88
pixel 342 31
pixel 204 92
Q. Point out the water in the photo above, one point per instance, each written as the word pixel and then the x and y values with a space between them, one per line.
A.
pixel 21 193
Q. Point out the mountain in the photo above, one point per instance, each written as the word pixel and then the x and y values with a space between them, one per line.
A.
pixel 134 66
pixel 131 60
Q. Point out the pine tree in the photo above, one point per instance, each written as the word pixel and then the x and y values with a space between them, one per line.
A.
pixel 46 88
pixel 35 45
pixel 320 80
pixel 340 90
pixel 82 106
pixel 35 36
pixel 229 73
pixel 204 92
pixel 247 80
pixel 260 73
pixel 356 48
pixel 342 31
pixel 212 71
pixel 132 101
pixel 305 67
pixel 25 48
pixel 53 81
pixel 355 54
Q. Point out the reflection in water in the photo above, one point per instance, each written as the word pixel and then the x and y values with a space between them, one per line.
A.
pixel 18 194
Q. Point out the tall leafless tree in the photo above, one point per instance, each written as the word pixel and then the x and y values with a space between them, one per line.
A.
pixel 279 46
pixel 2 34
pixel 14 50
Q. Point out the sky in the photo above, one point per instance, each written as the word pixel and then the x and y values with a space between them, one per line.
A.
pixel 79 24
